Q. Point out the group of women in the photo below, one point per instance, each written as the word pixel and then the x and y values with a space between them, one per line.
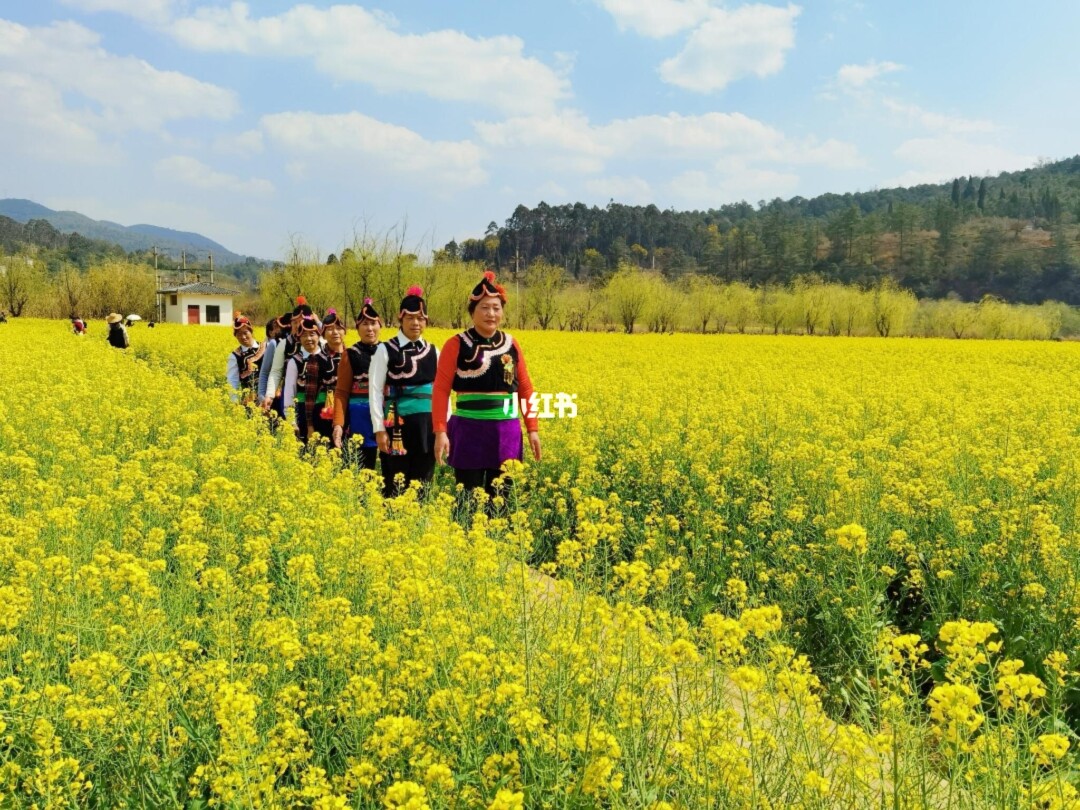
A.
pixel 389 402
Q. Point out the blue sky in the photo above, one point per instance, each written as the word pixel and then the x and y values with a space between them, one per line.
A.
pixel 260 123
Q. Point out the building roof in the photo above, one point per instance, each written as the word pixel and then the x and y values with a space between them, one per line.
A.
pixel 198 288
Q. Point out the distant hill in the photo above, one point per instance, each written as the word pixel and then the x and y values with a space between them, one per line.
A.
pixel 1016 235
pixel 131 238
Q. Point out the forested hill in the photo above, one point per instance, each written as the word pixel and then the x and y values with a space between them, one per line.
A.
pixel 69 248
pixel 134 238
pixel 1014 235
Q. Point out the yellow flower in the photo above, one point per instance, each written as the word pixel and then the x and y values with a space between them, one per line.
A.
pixel 852 537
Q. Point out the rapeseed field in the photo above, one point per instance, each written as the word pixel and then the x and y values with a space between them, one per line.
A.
pixel 749 572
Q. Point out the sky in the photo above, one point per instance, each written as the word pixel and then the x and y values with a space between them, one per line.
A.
pixel 267 124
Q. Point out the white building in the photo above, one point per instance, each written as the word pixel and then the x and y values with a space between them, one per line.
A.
pixel 197 303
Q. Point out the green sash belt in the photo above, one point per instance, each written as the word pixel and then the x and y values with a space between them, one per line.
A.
pixel 413 399
pixel 301 397
pixel 485 406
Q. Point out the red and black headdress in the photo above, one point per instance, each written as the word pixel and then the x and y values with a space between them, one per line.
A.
pixel 413 303
pixel 368 313
pixel 284 321
pixel 240 323
pixel 302 307
pixel 309 323
pixel 331 319
pixel 488 286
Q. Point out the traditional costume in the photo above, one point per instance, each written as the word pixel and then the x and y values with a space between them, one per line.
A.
pixel 352 404
pixel 400 376
pixel 242 372
pixel 288 348
pixel 298 384
pixel 491 380
pixel 319 382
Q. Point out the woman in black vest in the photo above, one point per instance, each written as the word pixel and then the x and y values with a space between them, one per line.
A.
pixel 400 377
pixel 242 372
pixel 486 368
pixel 353 432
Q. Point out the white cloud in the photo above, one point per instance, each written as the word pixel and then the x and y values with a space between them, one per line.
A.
pixel 728 184
pixel 852 77
pixel 35 123
pixel 569 139
pixel 350 43
pixel 751 40
pixel 192 172
pixel 249 142
pixel 935 160
pixel 382 147
pixel 936 122
pixel 152 11
pixel 551 190
pixel 123 92
pixel 656 18
pixel 630 190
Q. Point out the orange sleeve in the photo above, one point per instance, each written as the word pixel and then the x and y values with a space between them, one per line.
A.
pixel 525 390
pixel 343 389
pixel 444 384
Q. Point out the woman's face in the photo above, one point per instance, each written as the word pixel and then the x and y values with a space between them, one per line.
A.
pixel 335 336
pixel 245 338
pixel 310 341
pixel 368 331
pixel 413 325
pixel 487 315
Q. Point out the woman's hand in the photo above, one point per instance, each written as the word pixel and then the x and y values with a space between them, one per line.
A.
pixel 534 443
pixel 442 447
pixel 339 431
pixel 383 440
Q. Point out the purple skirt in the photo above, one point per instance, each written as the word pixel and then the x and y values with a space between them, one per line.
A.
pixel 483 444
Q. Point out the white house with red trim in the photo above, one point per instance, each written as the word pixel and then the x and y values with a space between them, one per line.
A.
pixel 197 303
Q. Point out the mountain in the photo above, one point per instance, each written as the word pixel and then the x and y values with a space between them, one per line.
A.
pixel 131 238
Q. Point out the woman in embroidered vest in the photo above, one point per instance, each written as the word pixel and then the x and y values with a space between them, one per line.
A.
pixel 486 368
pixel 352 406
pixel 271 401
pixel 242 372
pixel 399 391
pixel 320 379
pixel 296 385
pixel 288 348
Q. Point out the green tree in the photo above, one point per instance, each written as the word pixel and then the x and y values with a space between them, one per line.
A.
pixel 542 300
pixel 20 280
pixel 627 295
pixel 891 308
pixel 703 300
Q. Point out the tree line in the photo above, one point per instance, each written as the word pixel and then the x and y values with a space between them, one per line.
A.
pixel 1014 237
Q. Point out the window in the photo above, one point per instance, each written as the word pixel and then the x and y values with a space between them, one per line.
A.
pixel 172 300
pixel 213 314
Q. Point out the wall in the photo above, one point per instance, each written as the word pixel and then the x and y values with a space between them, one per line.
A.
pixel 178 313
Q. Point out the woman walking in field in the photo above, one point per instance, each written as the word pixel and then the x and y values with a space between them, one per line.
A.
pixel 486 368
pixel 290 345
pixel 400 377
pixel 297 384
pixel 320 380
pixel 353 431
pixel 242 371
pixel 276 329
